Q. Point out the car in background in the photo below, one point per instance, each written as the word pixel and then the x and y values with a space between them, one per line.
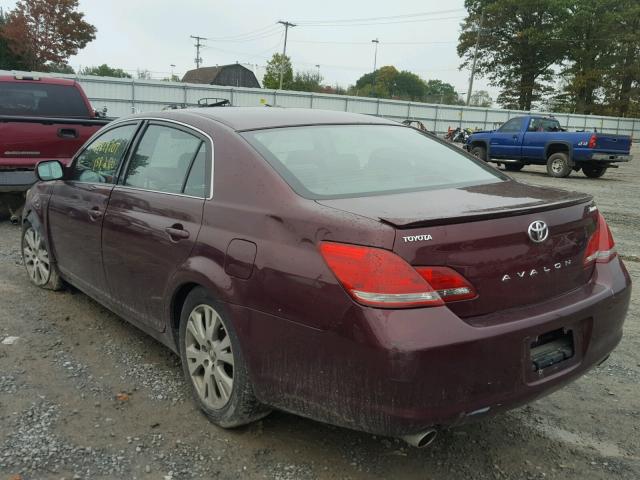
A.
pixel 342 267
pixel 40 118
pixel 540 140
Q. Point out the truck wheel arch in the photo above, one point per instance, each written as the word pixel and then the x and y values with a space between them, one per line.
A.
pixel 559 146
pixel 481 143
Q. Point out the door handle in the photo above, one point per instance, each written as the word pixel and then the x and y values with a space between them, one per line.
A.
pixel 67 133
pixel 177 232
pixel 95 213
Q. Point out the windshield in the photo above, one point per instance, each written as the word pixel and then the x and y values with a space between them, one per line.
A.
pixel 335 161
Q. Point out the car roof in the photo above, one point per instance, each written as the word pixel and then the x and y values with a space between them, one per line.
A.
pixel 27 78
pixel 255 118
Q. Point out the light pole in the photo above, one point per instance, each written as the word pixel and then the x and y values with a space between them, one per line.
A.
pixel 375 62
pixel 172 67
pixel 318 67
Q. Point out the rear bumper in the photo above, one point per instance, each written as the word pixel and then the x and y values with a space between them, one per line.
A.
pixel 395 372
pixel 609 157
pixel 16 180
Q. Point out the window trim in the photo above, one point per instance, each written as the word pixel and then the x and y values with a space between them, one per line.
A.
pixel 95 137
pixel 146 122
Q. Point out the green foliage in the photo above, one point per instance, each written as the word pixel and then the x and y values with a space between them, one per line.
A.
pixel 272 75
pixel 59 68
pixel 388 82
pixel 104 70
pixel 306 82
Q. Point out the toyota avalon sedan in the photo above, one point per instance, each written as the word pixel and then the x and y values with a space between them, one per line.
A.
pixel 342 267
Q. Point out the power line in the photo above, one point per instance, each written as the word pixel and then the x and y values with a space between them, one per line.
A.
pixel 198 45
pixel 388 17
pixel 246 34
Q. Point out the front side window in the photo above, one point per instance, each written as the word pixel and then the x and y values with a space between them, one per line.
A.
pixel 333 161
pixel 512 125
pixel 98 163
pixel 165 159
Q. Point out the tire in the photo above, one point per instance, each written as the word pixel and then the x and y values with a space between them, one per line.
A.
pixel 513 167
pixel 558 165
pixel 479 152
pixel 37 261
pixel 213 363
pixel 594 172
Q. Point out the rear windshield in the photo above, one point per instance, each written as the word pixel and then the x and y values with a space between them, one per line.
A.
pixel 41 100
pixel 336 161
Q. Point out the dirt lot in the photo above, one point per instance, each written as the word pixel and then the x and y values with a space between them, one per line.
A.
pixel 84 395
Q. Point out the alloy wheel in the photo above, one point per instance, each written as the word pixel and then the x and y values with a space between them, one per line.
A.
pixel 209 356
pixel 36 257
pixel 558 165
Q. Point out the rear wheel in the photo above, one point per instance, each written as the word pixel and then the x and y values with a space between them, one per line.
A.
pixel 42 272
pixel 513 167
pixel 558 165
pixel 213 364
pixel 479 152
pixel 594 172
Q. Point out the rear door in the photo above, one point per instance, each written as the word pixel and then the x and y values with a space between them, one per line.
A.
pixel 154 217
pixel 507 140
pixel 78 204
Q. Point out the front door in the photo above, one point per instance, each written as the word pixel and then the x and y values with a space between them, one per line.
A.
pixel 78 204
pixel 506 141
pixel 154 217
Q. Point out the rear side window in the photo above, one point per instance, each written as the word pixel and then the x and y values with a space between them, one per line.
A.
pixel 98 163
pixel 333 161
pixel 166 159
pixel 41 100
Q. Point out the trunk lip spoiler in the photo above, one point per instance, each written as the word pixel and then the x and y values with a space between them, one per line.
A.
pixel 487 214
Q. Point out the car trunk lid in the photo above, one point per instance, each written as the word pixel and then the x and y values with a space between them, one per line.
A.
pixel 482 233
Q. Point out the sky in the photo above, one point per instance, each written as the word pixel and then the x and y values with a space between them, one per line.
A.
pixel 153 35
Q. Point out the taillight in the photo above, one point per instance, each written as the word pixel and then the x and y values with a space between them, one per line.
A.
pixel 592 141
pixel 450 285
pixel 380 278
pixel 601 247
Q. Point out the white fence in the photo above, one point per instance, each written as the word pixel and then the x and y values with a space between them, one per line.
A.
pixel 125 96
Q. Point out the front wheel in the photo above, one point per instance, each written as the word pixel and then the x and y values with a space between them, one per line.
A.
pixel 558 165
pixel 213 364
pixel 593 172
pixel 479 152
pixel 42 272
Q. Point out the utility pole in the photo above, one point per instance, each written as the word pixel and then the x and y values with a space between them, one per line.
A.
pixel 375 63
pixel 198 45
pixel 475 57
pixel 318 67
pixel 284 50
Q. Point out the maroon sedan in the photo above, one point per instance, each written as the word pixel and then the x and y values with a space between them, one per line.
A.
pixel 339 266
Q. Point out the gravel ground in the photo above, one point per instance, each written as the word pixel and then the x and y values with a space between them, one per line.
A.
pixel 84 395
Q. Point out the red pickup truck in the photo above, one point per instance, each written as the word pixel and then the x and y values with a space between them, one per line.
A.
pixel 40 118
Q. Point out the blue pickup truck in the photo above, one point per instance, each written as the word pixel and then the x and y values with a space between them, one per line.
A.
pixel 540 140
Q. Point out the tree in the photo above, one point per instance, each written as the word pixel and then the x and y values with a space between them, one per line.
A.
pixel 306 82
pixel 8 59
pixel 46 31
pixel 481 98
pixel 143 74
pixel 272 75
pixel 60 68
pixel 519 43
pixel 438 91
pixel 105 70
pixel 388 82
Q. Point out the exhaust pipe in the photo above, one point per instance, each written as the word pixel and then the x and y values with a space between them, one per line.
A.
pixel 15 220
pixel 422 439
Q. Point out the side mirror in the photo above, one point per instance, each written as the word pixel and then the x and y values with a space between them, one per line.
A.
pixel 49 170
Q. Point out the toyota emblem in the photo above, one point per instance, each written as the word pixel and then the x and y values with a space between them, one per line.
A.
pixel 538 231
